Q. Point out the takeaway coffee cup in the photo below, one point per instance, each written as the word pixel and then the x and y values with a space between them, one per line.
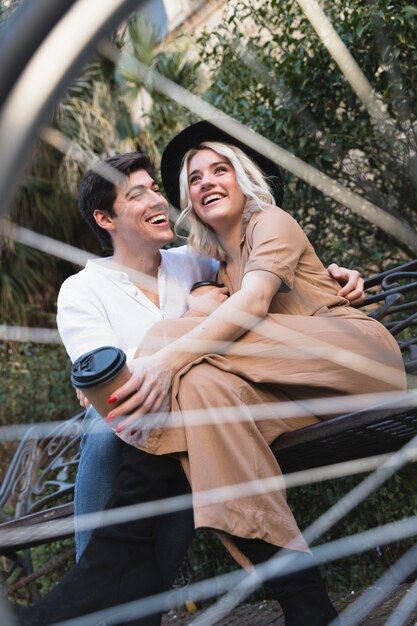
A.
pixel 204 286
pixel 98 373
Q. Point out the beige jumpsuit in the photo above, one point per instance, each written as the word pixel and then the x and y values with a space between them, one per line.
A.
pixel 311 345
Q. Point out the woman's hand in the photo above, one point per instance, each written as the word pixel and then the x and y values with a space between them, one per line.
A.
pixel 146 391
pixel 205 303
pixel 352 283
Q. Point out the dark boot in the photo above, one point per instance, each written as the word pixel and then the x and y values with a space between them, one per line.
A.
pixel 302 594
pixel 108 574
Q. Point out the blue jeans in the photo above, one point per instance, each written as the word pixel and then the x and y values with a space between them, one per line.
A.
pixel 97 480
pixel 97 472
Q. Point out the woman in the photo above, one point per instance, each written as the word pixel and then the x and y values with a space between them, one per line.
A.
pixel 283 333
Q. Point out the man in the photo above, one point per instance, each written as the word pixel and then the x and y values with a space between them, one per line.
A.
pixel 108 303
pixel 115 301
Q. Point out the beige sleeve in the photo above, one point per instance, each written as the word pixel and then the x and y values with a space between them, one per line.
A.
pixel 276 242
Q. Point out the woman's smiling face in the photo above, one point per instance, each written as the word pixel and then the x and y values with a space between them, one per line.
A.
pixel 215 193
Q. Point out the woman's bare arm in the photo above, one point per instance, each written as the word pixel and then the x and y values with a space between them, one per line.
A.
pixel 151 379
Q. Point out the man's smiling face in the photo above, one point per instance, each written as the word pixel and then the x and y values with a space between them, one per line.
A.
pixel 141 211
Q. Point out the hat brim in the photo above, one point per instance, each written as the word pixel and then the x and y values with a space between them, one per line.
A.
pixel 192 137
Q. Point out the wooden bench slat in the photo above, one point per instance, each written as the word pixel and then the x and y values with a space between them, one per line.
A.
pixel 59 512
pixel 377 430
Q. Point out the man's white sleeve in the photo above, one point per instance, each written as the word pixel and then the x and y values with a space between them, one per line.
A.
pixel 82 321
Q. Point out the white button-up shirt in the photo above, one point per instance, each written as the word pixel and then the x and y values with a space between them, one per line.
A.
pixel 100 306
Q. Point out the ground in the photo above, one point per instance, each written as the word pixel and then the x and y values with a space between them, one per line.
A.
pixel 268 613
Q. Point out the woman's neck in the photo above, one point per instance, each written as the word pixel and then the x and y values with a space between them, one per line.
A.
pixel 230 242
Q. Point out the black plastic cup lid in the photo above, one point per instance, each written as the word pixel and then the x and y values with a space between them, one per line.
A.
pixel 206 283
pixel 97 367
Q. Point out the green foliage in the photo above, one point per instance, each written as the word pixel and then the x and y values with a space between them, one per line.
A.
pixel 161 118
pixel 50 562
pixel 36 385
pixel 50 553
pixel 270 71
pixel 90 116
pixel 206 558
pixel 392 502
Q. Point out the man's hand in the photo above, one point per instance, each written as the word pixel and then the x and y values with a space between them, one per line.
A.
pixel 351 281
pixel 82 399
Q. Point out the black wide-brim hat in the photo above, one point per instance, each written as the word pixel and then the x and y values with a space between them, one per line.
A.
pixel 192 137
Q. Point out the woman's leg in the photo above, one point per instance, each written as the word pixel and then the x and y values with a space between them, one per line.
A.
pixel 304 356
pixel 229 424
pixel 234 454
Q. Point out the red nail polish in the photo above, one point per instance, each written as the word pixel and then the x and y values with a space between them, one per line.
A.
pixel 110 417
pixel 119 428
pixel 112 399
pixel 133 432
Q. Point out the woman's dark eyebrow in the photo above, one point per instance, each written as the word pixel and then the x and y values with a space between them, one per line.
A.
pixel 211 165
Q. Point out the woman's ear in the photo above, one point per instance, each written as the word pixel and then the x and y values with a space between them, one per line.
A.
pixel 103 219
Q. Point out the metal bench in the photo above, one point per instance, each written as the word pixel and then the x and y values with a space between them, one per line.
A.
pixel 39 483
pixel 38 487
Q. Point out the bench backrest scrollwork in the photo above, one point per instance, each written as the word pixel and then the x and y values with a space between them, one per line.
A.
pixel 393 296
pixel 42 470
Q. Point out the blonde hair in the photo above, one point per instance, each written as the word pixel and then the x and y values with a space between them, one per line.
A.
pixel 251 181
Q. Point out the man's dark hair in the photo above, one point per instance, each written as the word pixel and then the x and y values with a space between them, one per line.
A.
pixel 99 186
